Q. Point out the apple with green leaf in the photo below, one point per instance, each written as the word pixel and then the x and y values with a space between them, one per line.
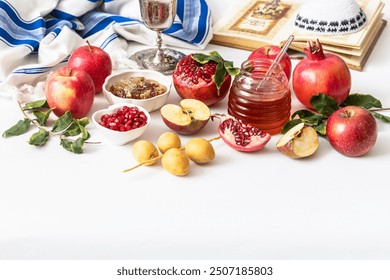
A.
pixel 352 131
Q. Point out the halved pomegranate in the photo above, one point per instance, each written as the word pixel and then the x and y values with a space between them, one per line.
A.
pixel 239 135
pixel 203 77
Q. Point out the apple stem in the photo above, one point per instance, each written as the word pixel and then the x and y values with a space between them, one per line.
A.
pixel 160 156
pixel 89 46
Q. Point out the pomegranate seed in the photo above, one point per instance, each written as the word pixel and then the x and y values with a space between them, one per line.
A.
pixel 193 72
pixel 242 132
pixel 124 119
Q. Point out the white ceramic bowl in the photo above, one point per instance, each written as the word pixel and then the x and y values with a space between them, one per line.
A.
pixel 119 137
pixel 150 104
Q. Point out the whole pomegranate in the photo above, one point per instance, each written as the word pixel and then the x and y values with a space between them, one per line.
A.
pixel 319 73
pixel 203 77
pixel 239 135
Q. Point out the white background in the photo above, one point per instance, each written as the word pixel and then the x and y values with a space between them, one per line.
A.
pixel 58 205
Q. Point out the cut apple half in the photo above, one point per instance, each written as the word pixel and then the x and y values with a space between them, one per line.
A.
pixel 188 117
pixel 195 108
pixel 174 113
pixel 299 142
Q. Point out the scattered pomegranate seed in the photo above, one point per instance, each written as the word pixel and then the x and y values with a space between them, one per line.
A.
pixel 125 119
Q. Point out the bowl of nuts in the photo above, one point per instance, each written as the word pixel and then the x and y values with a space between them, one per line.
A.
pixel 146 88
pixel 121 123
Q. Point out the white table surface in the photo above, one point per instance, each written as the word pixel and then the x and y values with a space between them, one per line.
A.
pixel 263 205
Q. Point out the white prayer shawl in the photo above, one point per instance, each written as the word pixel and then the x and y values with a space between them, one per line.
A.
pixel 37 36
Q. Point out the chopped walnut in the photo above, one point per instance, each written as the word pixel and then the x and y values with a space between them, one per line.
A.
pixel 137 88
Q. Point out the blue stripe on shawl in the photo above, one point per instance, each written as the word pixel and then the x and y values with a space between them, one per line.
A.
pixel 195 17
pixel 14 17
pixel 203 26
pixel 180 10
pixel 97 21
pixel 36 70
pixel 11 41
pixel 110 38
pixel 54 23
pixel 62 15
pixel 175 27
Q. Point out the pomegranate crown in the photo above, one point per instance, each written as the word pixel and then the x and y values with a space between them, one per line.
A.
pixel 314 50
pixel 223 66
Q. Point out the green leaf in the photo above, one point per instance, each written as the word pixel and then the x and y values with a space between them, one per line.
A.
pixel 219 76
pixel 85 134
pixel 39 138
pixel 204 58
pixel 36 105
pixel 72 130
pixel 308 117
pixel 381 117
pixel 363 100
pixel 223 67
pixel 83 122
pixel 233 71
pixel 76 146
pixel 324 104
pixel 302 114
pixel 78 127
pixel 19 128
pixel 216 55
pixel 321 128
pixel 201 58
pixel 42 116
pixel 314 120
pixel 63 122
pixel 290 124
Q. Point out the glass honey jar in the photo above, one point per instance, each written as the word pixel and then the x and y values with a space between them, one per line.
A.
pixel 260 98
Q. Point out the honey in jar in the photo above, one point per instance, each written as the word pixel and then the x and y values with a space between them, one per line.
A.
pixel 260 98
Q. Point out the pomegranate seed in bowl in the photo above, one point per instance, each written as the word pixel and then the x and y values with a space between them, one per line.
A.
pixel 126 118
pixel 121 123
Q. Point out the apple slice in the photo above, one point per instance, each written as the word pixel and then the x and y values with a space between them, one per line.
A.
pixel 299 142
pixel 187 118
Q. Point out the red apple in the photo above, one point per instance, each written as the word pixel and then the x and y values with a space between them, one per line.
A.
pixel 352 131
pixel 70 89
pixel 95 61
pixel 272 52
pixel 187 118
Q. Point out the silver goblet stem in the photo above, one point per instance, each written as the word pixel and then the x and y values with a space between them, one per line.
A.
pixel 159 58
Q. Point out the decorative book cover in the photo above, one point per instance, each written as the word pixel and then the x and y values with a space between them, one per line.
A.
pixel 260 22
